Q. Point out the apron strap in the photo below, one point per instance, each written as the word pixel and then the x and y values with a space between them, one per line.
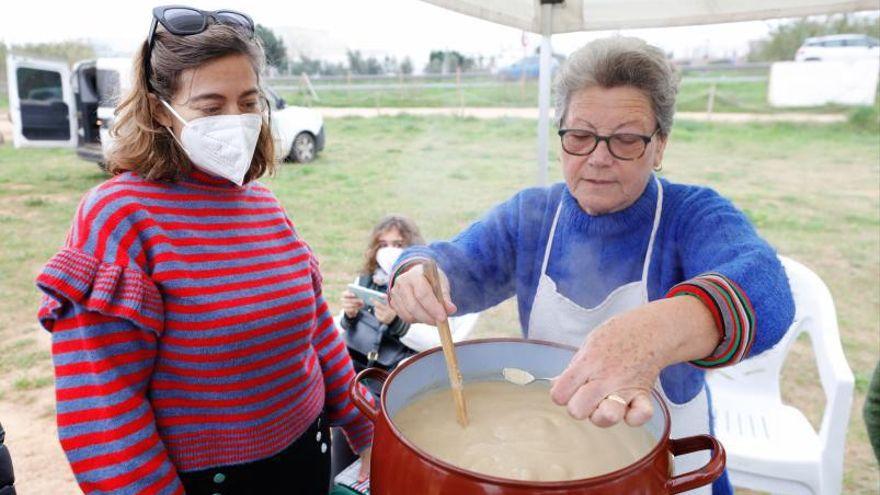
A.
pixel 657 212
pixel 550 239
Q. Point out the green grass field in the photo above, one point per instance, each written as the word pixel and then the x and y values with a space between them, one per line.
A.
pixel 813 191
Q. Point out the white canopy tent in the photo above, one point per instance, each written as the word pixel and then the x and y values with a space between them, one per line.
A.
pixel 547 17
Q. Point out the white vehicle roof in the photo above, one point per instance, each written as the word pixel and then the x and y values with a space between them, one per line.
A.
pixel 832 37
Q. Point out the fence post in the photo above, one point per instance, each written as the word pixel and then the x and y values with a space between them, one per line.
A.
pixel 400 83
pixel 460 92
pixel 308 84
pixel 710 104
pixel 376 100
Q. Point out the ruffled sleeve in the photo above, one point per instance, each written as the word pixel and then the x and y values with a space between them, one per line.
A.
pixel 75 277
pixel 106 320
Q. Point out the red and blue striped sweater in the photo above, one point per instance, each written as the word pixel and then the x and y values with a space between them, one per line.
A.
pixel 188 331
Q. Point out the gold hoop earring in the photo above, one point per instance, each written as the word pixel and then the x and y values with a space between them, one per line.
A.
pixel 658 168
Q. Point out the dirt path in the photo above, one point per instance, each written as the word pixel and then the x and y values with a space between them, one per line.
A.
pixel 32 437
pixel 28 416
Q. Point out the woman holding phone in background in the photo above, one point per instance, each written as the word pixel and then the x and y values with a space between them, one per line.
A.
pixel 373 331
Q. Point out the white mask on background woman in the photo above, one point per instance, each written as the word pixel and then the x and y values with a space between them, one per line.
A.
pixel 385 258
pixel 221 145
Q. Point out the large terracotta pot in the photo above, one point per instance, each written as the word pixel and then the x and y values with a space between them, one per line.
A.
pixel 400 468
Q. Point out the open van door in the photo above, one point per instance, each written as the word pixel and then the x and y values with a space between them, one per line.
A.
pixel 41 103
pixel 113 80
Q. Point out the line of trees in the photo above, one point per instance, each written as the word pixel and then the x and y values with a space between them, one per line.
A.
pixel 356 63
pixel 276 51
pixel 439 61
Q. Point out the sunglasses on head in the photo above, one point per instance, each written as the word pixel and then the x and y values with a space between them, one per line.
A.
pixel 180 20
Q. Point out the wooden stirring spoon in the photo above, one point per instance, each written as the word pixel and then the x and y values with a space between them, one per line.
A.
pixel 433 277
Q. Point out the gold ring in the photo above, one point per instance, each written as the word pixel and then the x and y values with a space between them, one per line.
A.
pixel 618 399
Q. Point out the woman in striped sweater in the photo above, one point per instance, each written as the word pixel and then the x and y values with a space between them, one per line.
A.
pixel 192 344
pixel 655 281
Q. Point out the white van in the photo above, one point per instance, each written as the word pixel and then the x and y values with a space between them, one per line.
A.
pixel 52 105
pixel 842 47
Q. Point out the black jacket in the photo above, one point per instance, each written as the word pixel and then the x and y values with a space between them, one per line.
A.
pixel 7 479
pixel 371 343
pixel 396 329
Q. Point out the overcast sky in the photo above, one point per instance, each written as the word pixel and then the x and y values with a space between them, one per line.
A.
pixel 396 27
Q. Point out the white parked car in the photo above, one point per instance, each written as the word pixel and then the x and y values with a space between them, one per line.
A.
pixel 298 131
pixel 838 47
pixel 52 105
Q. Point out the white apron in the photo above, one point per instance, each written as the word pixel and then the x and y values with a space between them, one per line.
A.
pixel 556 318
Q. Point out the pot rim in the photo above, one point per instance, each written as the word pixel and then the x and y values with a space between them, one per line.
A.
pixel 644 461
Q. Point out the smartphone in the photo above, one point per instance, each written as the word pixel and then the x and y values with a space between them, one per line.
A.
pixel 368 296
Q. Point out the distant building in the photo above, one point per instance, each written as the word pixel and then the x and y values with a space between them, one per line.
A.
pixel 313 43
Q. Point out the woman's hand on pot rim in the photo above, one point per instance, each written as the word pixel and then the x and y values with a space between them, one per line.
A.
pixel 609 379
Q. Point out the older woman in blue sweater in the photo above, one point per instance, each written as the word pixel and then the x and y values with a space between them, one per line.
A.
pixel 654 281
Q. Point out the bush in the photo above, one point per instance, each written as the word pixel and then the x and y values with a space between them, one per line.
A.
pixel 865 118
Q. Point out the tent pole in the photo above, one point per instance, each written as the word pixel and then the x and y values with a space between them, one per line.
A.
pixel 544 91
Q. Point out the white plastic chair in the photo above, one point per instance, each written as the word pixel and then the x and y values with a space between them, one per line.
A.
pixel 772 446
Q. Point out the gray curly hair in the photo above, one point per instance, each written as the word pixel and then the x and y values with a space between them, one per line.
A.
pixel 620 61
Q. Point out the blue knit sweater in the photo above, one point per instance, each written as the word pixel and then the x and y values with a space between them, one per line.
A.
pixel 700 232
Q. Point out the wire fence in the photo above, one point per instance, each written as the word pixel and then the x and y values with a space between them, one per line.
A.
pixel 724 88
pixel 483 80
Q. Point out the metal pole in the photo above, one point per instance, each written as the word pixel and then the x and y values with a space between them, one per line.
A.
pixel 544 91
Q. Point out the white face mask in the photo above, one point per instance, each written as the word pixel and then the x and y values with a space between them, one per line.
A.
pixel 222 145
pixel 387 256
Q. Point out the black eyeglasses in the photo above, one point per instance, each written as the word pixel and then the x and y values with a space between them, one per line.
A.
pixel 621 146
pixel 180 20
